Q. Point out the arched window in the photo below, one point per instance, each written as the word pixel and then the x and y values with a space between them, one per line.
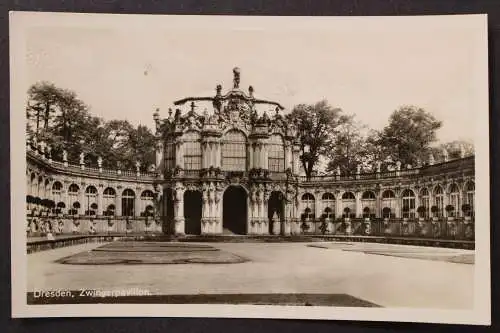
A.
pixel 388 203
pixel 328 202
pixel 192 150
pixel 109 193
pixel 470 189
pixel 276 153
pixel 170 155
pixel 408 198
pixel 424 203
pixel 348 205
pixel 234 151
pixel 368 203
pixel 438 201
pixel 108 199
pixel 128 200
pixel 56 191
pixel 56 187
pixel 309 205
pixel 454 199
pixel 91 200
pixel 147 197
pixel 73 191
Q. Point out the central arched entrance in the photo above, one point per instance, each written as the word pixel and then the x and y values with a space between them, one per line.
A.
pixel 275 206
pixel 234 214
pixel 192 212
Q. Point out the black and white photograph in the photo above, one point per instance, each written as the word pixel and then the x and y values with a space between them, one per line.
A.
pixel 250 167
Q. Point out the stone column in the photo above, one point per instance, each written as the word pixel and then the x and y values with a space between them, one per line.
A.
pixel 338 205
pixel 359 209
pixel 179 209
pixel 460 203
pixel 287 212
pixel 250 156
pixel 99 202
pixel 205 229
pixel 317 205
pixel 218 210
pixel 81 199
pixel 137 203
pixel 265 156
pixel 118 203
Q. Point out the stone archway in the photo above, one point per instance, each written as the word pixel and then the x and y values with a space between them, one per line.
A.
pixel 192 212
pixel 234 210
pixel 275 206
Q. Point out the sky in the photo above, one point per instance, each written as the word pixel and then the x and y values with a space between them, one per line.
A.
pixel 367 67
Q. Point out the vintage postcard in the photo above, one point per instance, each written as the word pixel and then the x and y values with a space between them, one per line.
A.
pixel 251 167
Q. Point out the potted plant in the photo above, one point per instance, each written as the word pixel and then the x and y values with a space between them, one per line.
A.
pixel 450 212
pixel 366 214
pixel 421 210
pixel 347 211
pixel 60 206
pixel 386 213
pixel 434 211
pixel 93 206
pixel 467 210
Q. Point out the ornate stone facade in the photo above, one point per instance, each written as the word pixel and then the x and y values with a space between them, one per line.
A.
pixel 236 170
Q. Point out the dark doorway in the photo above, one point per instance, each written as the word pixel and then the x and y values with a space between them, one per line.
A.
pixel 275 205
pixel 168 213
pixel 192 212
pixel 234 215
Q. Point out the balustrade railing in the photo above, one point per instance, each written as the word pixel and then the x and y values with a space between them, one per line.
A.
pixel 457 229
pixel 90 170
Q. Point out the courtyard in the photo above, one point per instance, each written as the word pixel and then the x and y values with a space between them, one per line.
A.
pixel 318 273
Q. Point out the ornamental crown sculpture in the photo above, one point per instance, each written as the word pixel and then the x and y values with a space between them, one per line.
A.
pixel 234 109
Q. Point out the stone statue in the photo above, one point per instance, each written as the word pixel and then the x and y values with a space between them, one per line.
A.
pixel 431 159
pixel 379 166
pixel 462 151
pixel 398 165
pixel 337 171
pixel 82 157
pixel 445 155
pixel 358 169
pixel 236 79
pixel 99 161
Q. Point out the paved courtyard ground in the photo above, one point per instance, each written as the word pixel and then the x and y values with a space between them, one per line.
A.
pixel 381 274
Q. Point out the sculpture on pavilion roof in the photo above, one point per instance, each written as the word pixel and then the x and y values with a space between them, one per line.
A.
pixel 234 109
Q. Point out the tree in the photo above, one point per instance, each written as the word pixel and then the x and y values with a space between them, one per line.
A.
pixel 409 135
pixel 349 147
pixel 44 97
pixel 316 125
pixel 454 149
pixel 141 146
